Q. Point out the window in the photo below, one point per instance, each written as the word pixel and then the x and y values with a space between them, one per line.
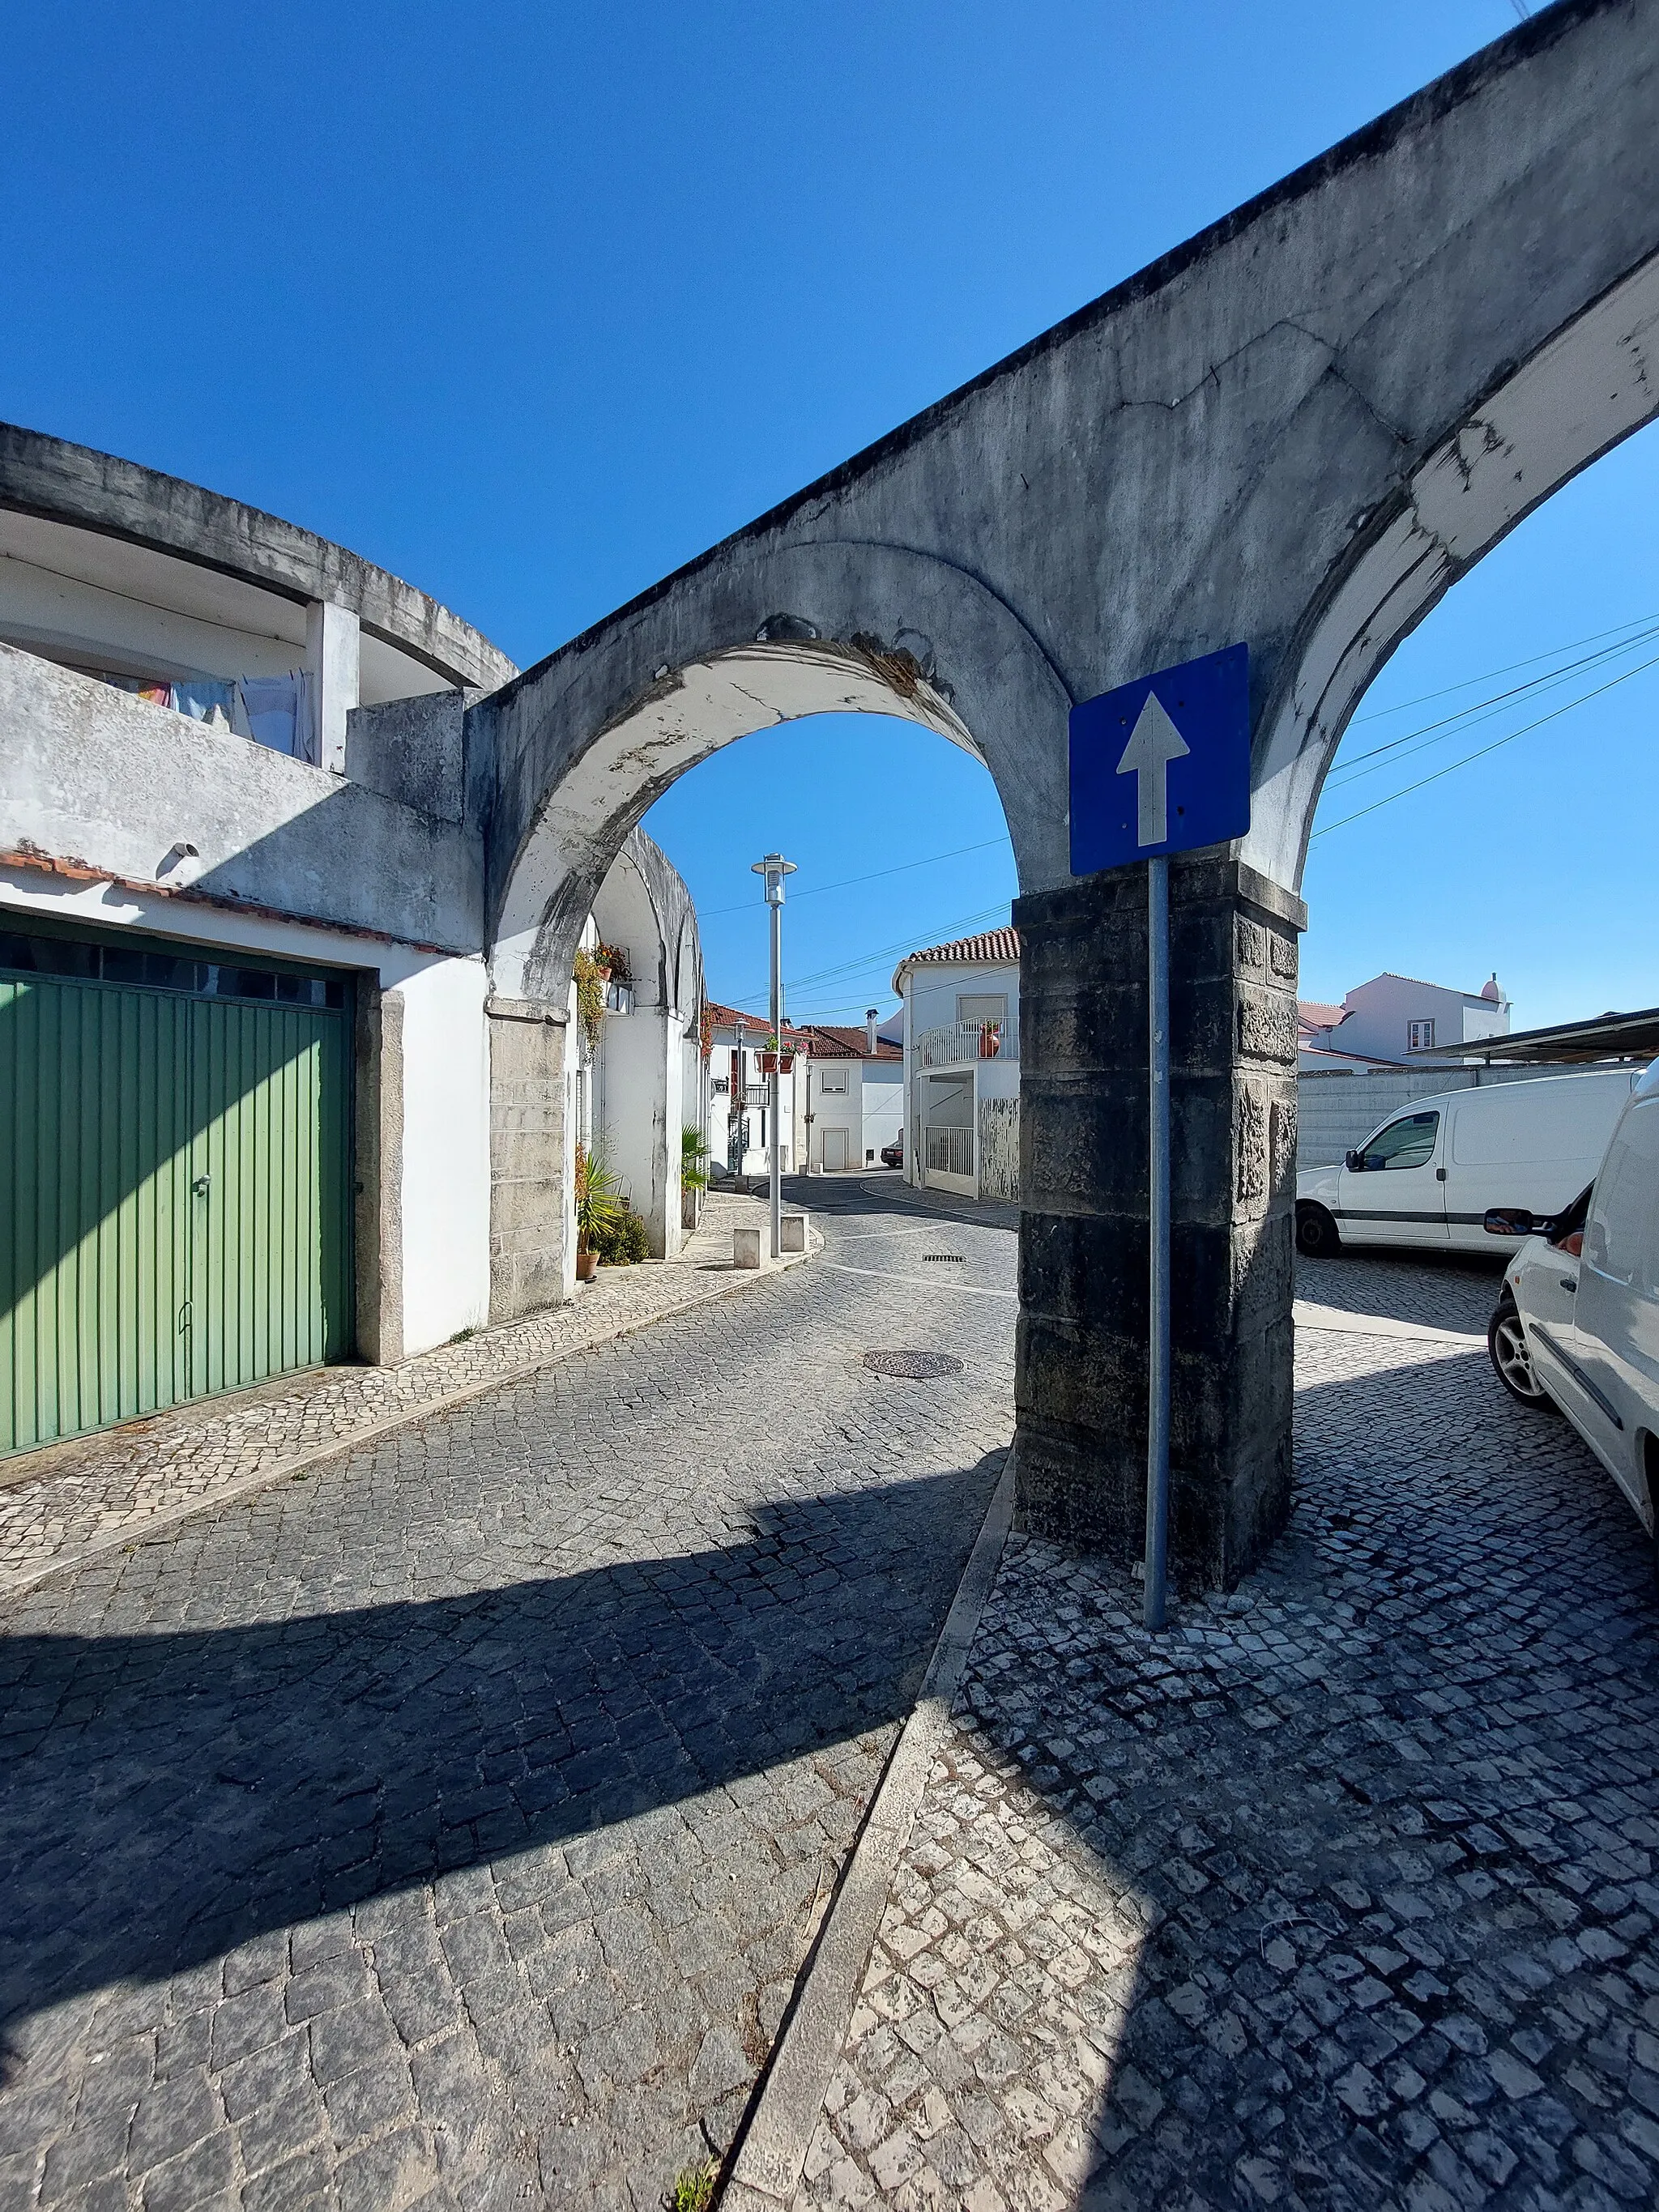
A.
pixel 981 1006
pixel 1624 1215
pixel 1409 1143
pixel 1419 1036
pixel 833 1078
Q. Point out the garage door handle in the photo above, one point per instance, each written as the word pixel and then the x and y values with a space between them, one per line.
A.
pixel 202 1185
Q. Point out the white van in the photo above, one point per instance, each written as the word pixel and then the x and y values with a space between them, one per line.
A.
pixel 1577 1321
pixel 1427 1178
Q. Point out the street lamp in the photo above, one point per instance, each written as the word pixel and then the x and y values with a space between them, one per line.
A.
pixel 774 868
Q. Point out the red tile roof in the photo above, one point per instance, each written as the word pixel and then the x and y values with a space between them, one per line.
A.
pixel 991 948
pixel 824 1041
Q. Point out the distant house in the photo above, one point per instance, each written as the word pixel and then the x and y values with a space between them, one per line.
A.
pixel 739 1139
pixel 961 1064
pixel 1391 1020
pixel 852 1091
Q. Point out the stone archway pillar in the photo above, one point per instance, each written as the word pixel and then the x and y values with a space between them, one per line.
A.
pixel 1081 1383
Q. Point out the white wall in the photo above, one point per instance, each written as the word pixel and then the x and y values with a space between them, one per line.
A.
pixel 445 1169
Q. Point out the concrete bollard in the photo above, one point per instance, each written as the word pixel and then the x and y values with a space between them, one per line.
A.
pixel 746 1248
pixel 792 1232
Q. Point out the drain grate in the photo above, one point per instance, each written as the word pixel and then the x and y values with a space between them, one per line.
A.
pixel 960 1258
pixel 913 1366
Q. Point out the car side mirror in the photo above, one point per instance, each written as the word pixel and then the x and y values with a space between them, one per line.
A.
pixel 1508 1221
pixel 1355 1163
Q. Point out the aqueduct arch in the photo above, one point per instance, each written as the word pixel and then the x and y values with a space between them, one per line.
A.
pixel 1295 431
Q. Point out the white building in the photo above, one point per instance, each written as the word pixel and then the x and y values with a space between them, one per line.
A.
pixel 1389 1021
pixel 277 1112
pixel 961 1064
pixel 853 1096
pixel 738 1125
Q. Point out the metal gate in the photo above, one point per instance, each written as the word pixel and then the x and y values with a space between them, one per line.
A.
pixel 174 1190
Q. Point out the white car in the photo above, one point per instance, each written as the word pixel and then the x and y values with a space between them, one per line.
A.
pixel 1427 1178
pixel 1576 1325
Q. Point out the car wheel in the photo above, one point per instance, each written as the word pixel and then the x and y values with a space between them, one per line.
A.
pixel 1316 1233
pixel 1506 1341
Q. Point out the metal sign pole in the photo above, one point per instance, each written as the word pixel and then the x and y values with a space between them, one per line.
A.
pixel 1157 1365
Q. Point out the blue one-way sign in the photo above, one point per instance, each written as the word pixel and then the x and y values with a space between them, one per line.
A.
pixel 1162 764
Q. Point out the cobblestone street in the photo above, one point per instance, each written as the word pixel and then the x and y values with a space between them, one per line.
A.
pixel 1342 1894
pixel 448 1826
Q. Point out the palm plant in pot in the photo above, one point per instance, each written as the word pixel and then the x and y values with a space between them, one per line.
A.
pixel 694 1173
pixel 598 1207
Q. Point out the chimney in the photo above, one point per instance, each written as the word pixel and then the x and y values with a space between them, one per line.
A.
pixel 870 1015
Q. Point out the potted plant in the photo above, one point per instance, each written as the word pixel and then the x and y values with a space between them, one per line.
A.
pixel 776 1059
pixel 592 977
pixel 598 1207
pixel 694 1175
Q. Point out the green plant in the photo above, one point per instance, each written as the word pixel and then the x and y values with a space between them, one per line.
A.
pixel 598 1200
pixel 694 1160
pixel 622 1242
pixel 590 975
pixel 694 2188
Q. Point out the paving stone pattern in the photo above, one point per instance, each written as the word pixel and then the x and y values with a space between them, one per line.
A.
pixel 1341 1895
pixel 58 1503
pixel 448 1828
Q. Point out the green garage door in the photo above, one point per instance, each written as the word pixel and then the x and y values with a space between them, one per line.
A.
pixel 175 1207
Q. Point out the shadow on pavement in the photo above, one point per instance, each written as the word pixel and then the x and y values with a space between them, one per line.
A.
pixel 170 1795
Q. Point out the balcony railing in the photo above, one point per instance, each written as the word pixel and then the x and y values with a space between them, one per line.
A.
pixel 959 1040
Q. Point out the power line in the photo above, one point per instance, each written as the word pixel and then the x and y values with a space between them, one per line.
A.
pixel 1466 717
pixel 940 933
pixel 1553 716
pixel 1572 645
pixel 817 890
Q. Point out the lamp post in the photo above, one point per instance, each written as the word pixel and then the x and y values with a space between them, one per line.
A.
pixel 774 868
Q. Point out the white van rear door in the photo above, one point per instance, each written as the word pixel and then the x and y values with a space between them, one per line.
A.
pixel 1397 1197
pixel 1533 1145
pixel 1616 1343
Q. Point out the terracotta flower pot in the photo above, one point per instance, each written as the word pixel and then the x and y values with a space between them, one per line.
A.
pixel 587 1266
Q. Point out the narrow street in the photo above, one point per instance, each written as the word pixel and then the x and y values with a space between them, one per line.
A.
pixel 447 1828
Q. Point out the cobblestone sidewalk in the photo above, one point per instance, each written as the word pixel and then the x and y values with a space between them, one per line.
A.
pixel 1341 1895
pixel 119 1485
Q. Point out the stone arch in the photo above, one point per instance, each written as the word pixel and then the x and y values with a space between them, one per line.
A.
pixel 1296 430
pixel 590 739
pixel 1591 386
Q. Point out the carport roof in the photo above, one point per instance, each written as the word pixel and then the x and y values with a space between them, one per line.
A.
pixel 1607 1036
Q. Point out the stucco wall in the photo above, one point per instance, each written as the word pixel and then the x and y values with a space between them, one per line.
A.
pixel 101 779
pixel 446 1152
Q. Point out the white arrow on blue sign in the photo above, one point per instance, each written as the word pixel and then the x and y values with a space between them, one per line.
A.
pixel 1162 765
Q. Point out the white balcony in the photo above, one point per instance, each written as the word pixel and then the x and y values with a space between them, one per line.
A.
pixel 958 1044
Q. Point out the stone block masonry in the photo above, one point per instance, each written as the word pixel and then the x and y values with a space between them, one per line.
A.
pixel 1081 1454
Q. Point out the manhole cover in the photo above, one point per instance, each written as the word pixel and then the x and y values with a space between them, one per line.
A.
pixel 913 1366
pixel 960 1258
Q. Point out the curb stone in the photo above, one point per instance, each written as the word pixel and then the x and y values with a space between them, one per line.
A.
pixel 773 2142
pixel 296 1463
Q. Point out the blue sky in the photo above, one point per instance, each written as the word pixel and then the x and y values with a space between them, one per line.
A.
pixel 531 303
